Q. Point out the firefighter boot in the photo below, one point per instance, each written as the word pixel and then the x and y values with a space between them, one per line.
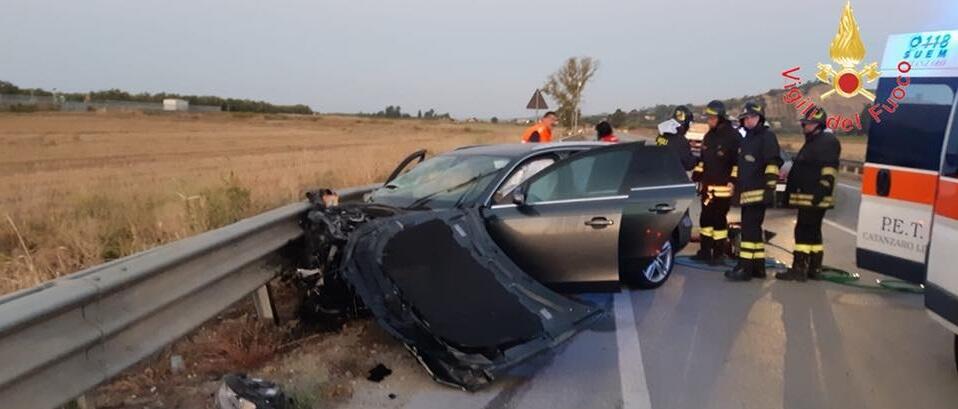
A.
pixel 815 265
pixel 743 271
pixel 758 268
pixel 705 250
pixel 718 252
pixel 799 269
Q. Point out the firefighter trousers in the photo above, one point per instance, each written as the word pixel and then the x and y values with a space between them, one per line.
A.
pixel 713 224
pixel 753 237
pixel 808 230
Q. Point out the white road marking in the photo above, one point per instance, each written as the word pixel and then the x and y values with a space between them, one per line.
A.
pixel 635 388
pixel 845 229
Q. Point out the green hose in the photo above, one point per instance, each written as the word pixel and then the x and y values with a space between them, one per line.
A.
pixel 839 276
pixel 830 274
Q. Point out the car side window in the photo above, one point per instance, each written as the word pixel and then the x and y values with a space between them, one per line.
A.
pixel 655 167
pixel 522 173
pixel 582 177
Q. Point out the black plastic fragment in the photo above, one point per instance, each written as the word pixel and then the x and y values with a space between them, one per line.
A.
pixel 378 373
pixel 239 391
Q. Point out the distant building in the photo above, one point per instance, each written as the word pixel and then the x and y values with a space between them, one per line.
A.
pixel 174 104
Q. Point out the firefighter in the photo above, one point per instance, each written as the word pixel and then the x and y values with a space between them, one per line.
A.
pixel 541 131
pixel 674 137
pixel 811 183
pixel 759 159
pixel 603 132
pixel 715 174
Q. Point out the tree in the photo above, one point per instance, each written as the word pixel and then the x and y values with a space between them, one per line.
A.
pixel 565 86
pixel 494 120
pixel 617 119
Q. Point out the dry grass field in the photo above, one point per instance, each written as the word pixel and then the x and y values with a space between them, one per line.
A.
pixel 79 189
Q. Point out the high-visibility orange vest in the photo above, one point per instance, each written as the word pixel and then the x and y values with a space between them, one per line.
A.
pixel 545 134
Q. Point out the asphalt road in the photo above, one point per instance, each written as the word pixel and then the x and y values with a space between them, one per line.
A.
pixel 700 341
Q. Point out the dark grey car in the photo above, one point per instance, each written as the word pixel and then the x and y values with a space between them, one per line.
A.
pixel 576 216
pixel 454 257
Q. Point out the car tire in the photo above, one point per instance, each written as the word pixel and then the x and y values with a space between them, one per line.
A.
pixel 956 352
pixel 657 271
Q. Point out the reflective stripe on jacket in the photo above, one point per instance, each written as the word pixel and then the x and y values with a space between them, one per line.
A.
pixel 759 160
pixel 717 164
pixel 811 181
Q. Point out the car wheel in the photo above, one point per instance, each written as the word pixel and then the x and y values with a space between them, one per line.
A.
pixel 658 270
pixel 956 352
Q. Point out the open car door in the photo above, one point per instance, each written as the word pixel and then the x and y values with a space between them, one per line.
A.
pixel 436 281
pixel 578 223
pixel 420 155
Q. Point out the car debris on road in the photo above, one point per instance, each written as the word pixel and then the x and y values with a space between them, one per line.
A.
pixel 242 392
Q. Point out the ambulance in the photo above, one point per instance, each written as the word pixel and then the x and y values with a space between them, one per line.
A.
pixel 908 219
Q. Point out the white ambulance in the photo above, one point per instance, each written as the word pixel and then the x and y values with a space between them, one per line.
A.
pixel 908 219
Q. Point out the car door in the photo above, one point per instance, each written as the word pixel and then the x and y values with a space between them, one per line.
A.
pixel 565 232
pixel 660 194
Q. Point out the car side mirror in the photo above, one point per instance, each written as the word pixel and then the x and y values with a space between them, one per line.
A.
pixel 519 196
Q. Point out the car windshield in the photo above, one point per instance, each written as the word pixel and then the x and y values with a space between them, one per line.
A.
pixel 443 181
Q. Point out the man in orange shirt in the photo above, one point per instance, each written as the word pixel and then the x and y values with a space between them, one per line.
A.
pixel 542 130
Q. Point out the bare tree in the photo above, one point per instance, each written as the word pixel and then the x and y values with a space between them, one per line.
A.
pixel 565 86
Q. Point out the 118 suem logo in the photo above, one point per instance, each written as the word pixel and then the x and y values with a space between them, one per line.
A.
pixel 848 51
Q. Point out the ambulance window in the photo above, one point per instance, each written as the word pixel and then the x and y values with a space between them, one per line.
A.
pixel 912 135
pixel 950 165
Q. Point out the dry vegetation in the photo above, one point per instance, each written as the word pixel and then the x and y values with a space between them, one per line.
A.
pixel 79 189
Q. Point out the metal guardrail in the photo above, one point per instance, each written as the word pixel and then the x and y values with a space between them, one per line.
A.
pixel 844 165
pixel 68 335
pixel 851 166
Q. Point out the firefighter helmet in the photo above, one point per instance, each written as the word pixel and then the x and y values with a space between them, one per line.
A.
pixel 752 108
pixel 683 115
pixel 715 108
pixel 816 115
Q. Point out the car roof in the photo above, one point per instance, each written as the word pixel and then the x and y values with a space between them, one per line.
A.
pixel 521 149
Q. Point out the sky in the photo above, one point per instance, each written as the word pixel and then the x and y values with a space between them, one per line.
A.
pixel 469 58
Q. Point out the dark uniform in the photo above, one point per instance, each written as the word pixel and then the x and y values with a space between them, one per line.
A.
pixel 676 140
pixel 759 159
pixel 811 185
pixel 715 174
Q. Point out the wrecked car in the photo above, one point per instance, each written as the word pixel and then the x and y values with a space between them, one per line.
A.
pixel 460 257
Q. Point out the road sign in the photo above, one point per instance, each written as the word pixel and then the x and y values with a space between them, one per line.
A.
pixel 537 102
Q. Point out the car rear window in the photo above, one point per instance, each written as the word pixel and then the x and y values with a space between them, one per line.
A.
pixel 912 135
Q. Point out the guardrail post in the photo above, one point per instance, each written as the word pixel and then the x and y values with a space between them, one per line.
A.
pixel 263 300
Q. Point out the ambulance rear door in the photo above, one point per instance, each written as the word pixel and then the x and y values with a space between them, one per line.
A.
pixel 902 162
pixel 941 291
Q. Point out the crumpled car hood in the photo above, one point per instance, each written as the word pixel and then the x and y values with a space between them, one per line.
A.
pixel 437 282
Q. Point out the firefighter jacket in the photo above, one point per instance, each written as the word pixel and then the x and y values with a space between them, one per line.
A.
pixel 678 144
pixel 537 133
pixel 811 181
pixel 717 164
pixel 759 159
